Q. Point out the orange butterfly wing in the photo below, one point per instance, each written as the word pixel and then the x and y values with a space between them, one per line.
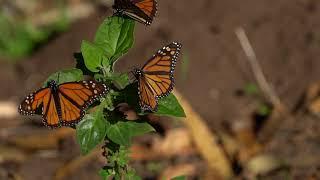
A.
pixel 50 114
pixel 147 99
pixel 41 102
pixel 156 79
pixel 149 7
pixel 32 103
pixel 66 106
pixel 142 11
pixel 75 97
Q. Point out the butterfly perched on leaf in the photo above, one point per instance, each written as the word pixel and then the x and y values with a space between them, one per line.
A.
pixel 155 78
pixel 142 11
pixel 64 104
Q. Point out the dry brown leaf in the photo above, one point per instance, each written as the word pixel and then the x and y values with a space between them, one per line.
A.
pixel 178 170
pixel 263 164
pixel 75 164
pixel 176 142
pixel 5 175
pixel 314 106
pixel 313 91
pixel 11 154
pixel 140 153
pixel 206 141
pixel 248 146
pixel 313 98
pixel 230 144
pixel 41 139
pixel 8 109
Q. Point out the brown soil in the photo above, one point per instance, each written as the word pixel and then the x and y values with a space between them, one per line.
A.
pixel 285 35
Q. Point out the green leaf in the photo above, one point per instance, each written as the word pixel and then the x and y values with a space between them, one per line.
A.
pixel 107 103
pixel 251 89
pixel 122 132
pixel 106 174
pixel 179 178
pixel 92 130
pixel 131 175
pixel 264 110
pixel 81 65
pixel 120 157
pixel 169 106
pixel 20 38
pixel 115 37
pixel 93 56
pixel 63 76
pixel 121 81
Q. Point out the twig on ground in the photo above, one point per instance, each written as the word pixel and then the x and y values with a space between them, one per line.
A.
pixel 256 69
pixel 280 110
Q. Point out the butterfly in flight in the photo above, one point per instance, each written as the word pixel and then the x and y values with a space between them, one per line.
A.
pixel 142 11
pixel 64 104
pixel 155 78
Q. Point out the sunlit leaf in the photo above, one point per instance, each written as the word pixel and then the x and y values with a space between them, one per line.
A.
pixel 169 106
pixel 93 56
pixel 92 130
pixel 121 80
pixel 115 37
pixel 81 65
pixel 122 132
pixel 106 174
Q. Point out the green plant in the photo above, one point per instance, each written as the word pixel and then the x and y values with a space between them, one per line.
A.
pixel 251 89
pixel 264 109
pixel 104 124
pixel 19 37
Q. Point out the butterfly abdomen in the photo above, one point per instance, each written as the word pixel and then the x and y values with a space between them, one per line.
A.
pixel 55 94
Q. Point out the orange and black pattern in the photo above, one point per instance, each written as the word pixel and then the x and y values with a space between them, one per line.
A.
pixel 142 11
pixel 156 78
pixel 149 7
pixel 64 104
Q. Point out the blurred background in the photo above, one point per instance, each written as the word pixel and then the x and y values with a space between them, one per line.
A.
pixel 232 117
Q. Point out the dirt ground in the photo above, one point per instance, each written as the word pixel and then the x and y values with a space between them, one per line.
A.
pixel 285 35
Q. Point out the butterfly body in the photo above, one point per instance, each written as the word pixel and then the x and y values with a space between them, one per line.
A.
pixel 64 104
pixel 156 77
pixel 54 91
pixel 142 11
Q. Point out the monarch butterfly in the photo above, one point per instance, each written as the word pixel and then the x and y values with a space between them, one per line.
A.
pixel 155 79
pixel 142 11
pixel 63 104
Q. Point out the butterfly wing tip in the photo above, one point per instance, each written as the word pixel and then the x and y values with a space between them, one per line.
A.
pixel 177 44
